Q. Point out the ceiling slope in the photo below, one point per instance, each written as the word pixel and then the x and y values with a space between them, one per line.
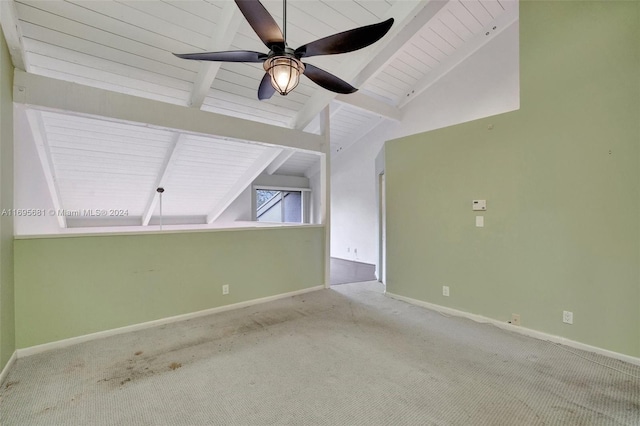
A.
pixel 110 48
pixel 105 171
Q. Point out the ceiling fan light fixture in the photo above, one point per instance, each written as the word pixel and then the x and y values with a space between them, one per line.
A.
pixel 283 64
pixel 284 72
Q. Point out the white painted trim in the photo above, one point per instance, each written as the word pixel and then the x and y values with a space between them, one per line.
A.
pixel 155 230
pixel 33 350
pixel 5 370
pixel 325 191
pixel 280 188
pixel 518 329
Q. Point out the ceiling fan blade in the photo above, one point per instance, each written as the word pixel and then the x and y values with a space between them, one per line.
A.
pixel 327 80
pixel 347 41
pixel 262 23
pixel 266 90
pixel 229 56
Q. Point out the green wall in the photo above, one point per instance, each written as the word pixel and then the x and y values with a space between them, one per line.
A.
pixel 561 178
pixel 7 327
pixel 72 286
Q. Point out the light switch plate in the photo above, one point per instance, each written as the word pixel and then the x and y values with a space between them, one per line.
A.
pixel 480 221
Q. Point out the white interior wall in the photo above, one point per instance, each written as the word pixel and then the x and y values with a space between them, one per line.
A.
pixel 354 228
pixel 486 83
pixel 238 210
pixel 315 183
pixel 30 186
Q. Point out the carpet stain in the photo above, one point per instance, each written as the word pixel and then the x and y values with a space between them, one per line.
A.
pixel 424 366
pixel 221 336
pixel 74 366
pixel 9 385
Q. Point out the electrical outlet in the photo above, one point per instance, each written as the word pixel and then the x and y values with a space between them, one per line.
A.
pixel 348 249
pixel 567 317
pixel 445 290
pixel 225 289
pixel 515 319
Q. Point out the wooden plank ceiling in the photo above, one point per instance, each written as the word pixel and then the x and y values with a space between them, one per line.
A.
pixel 99 164
pixel 126 46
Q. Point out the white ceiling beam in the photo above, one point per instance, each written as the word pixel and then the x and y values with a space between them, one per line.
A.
pixel 410 17
pixel 371 105
pixel 52 94
pixel 12 34
pixel 245 180
pixel 406 33
pixel 169 161
pixel 315 126
pixel 324 127
pixel 501 23
pixel 279 161
pixel 313 169
pixel 40 137
pixel 226 30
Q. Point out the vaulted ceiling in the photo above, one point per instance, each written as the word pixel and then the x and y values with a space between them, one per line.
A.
pixel 126 46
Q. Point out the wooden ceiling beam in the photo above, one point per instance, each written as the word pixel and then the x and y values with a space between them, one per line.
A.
pixel 279 161
pixel 42 145
pixel 222 38
pixel 243 182
pixel 371 105
pixel 410 17
pixel 52 94
pixel 169 161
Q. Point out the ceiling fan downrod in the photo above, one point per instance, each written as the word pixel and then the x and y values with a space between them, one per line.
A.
pixel 284 21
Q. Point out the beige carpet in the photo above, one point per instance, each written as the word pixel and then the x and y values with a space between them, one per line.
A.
pixel 346 356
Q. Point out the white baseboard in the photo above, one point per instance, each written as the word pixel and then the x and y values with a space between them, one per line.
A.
pixel 518 329
pixel 5 370
pixel 32 350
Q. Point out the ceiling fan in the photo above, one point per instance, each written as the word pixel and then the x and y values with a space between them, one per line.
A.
pixel 283 64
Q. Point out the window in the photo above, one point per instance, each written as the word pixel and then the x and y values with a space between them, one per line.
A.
pixel 281 206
